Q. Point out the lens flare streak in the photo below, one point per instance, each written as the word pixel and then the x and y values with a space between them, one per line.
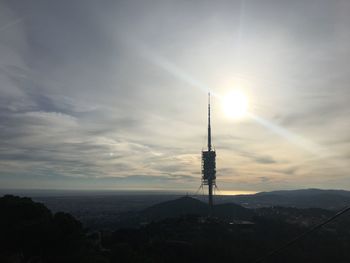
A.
pixel 296 139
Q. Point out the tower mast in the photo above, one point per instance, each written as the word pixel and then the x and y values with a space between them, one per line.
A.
pixel 209 164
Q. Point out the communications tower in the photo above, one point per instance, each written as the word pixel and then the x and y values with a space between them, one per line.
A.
pixel 209 164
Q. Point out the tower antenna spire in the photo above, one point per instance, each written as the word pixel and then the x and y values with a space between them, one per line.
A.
pixel 209 127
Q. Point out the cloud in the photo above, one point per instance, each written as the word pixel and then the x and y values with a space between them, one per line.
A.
pixel 106 94
pixel 264 179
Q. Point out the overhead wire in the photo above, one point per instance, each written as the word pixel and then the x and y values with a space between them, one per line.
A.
pixel 301 236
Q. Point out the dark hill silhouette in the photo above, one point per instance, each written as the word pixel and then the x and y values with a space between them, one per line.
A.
pixel 183 206
pixel 233 211
pixel 190 206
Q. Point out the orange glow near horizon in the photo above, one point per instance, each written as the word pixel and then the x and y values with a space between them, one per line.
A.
pixel 235 192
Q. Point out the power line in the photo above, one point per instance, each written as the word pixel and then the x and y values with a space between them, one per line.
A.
pixel 298 238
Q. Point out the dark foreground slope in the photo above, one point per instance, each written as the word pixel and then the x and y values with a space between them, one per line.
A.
pixel 190 239
pixel 188 235
pixel 31 233
pixel 177 231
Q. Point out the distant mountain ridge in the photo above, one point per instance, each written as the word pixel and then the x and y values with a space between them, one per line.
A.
pixel 301 198
pixel 307 192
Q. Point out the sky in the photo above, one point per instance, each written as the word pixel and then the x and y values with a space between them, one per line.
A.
pixel 113 94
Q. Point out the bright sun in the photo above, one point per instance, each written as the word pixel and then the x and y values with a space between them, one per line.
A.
pixel 235 104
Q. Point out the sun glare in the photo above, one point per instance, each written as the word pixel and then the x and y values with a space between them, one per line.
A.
pixel 235 104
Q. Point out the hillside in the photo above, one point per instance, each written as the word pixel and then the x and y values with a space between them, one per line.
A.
pixel 177 231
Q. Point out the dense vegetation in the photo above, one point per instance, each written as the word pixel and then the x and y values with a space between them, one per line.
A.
pixel 31 233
